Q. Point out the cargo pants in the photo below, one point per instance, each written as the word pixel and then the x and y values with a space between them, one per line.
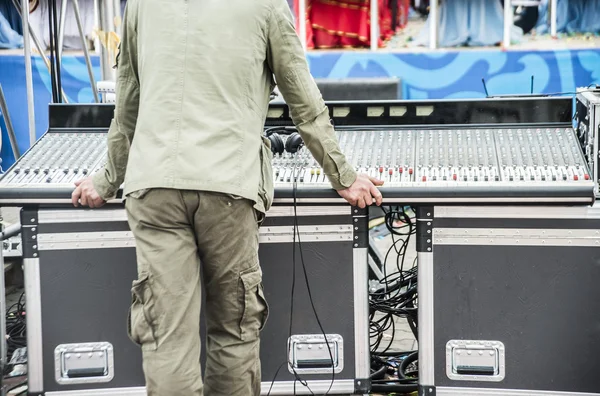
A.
pixel 177 232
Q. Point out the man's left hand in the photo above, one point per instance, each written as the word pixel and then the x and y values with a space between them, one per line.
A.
pixel 85 194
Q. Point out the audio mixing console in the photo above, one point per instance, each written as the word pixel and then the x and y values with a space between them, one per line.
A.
pixel 417 165
pixel 448 157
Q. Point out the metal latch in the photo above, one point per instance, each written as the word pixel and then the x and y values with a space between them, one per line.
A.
pixel 475 360
pixel 84 363
pixel 310 354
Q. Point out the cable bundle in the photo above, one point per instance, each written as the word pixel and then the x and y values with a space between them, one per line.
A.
pixel 396 297
pixel 15 327
pixel 395 373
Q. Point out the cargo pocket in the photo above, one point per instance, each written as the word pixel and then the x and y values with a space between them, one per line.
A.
pixel 265 187
pixel 141 326
pixel 255 309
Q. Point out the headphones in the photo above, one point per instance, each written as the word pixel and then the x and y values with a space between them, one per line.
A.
pixel 292 144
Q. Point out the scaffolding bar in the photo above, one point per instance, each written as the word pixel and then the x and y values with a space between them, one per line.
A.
pixel 433 24
pixel 374 24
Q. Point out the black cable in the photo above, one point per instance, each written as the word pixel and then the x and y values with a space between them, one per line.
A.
pixel 16 335
pixel 17 386
pixel 405 363
pixel 396 297
pixel 57 52
pixel 275 377
pixel 52 54
pixel 297 231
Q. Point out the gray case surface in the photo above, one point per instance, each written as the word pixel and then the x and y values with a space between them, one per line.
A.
pixel 80 270
pixel 510 301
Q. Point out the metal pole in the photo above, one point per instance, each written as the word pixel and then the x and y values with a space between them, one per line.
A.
pixel 508 22
pixel 553 17
pixel 61 27
pixel 38 45
pixel 28 71
pixel 302 21
pixel 433 24
pixel 86 53
pixel 3 346
pixel 9 126
pixel 374 25
pixel 117 9
pixel 106 18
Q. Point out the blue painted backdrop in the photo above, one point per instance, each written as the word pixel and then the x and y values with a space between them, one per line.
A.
pixel 431 75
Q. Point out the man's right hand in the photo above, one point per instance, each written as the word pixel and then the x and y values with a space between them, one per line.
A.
pixel 362 192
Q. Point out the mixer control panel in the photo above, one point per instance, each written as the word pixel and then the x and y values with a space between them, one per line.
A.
pixel 413 163
pixel 452 157
pixel 59 159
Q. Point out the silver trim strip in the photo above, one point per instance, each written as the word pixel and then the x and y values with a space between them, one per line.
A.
pixel 279 388
pixel 3 342
pixel 137 391
pixel 539 233
pixel 518 212
pixel 442 391
pixel 288 211
pixel 516 237
pixel 426 318
pixel 86 240
pixel 344 387
pixel 519 242
pixel 81 216
pixel 361 313
pixel 125 239
pixel 106 215
pixel 387 200
pixel 19 202
pixel 33 301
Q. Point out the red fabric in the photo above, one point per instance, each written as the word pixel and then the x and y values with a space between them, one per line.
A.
pixel 346 23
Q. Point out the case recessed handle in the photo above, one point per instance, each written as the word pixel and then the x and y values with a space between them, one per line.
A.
pixel 476 370
pixel 85 363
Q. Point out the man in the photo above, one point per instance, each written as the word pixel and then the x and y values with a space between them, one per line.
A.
pixel 193 86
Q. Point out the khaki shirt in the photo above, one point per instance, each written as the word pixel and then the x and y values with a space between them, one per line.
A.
pixel 193 87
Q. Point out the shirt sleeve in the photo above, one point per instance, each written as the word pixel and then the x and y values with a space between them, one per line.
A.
pixel 309 113
pixel 108 180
